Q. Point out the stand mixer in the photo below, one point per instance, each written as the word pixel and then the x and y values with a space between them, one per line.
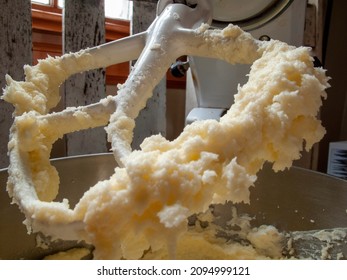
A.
pixel 194 165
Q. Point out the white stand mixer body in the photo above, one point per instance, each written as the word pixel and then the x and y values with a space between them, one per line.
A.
pixel 211 83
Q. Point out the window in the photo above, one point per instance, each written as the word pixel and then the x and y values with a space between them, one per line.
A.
pixel 115 9
pixel 121 9
pixel 44 2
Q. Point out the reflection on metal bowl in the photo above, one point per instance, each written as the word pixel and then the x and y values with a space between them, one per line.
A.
pixel 292 200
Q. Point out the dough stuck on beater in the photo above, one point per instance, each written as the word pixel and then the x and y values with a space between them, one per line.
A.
pixel 273 119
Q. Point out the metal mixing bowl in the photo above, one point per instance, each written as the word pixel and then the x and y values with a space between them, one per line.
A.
pixel 296 199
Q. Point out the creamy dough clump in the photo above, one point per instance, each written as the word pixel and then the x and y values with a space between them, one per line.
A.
pixel 39 92
pixel 210 162
pixel 145 204
pixel 30 134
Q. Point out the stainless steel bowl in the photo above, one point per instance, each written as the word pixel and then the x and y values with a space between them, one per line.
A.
pixel 296 199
